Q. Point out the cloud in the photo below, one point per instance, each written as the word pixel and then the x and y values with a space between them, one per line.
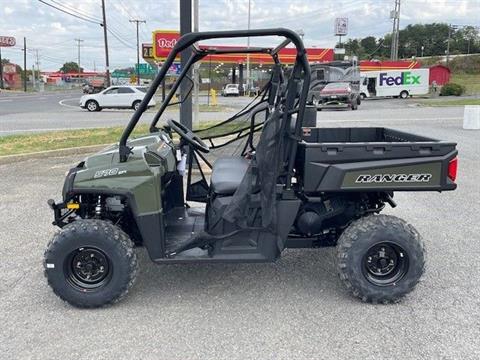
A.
pixel 52 32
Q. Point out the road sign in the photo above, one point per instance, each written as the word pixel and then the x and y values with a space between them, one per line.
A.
pixel 163 43
pixel 9 69
pixel 146 69
pixel 6 41
pixel 120 74
pixel 147 51
pixel 175 69
pixel 341 26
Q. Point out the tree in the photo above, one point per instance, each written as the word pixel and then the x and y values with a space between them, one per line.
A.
pixel 431 37
pixel 70 67
pixel 369 44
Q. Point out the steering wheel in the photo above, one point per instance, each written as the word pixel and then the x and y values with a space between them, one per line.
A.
pixel 188 135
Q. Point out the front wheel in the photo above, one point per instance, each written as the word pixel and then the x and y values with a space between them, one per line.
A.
pixel 380 258
pixel 90 263
pixel 404 94
pixel 92 105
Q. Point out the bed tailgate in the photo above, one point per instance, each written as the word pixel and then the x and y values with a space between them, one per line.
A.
pixel 374 169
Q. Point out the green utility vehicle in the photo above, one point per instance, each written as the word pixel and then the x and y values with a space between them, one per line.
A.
pixel 256 184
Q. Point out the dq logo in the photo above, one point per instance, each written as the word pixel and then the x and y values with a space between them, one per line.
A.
pixel 165 43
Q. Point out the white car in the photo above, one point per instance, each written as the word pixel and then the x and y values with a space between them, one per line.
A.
pixel 231 90
pixel 120 97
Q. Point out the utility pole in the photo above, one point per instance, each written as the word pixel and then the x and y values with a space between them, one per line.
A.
pixel 248 45
pixel 79 41
pixel 450 28
pixel 1 69
pixel 107 64
pixel 196 69
pixel 25 64
pixel 395 15
pixel 138 48
pixel 185 27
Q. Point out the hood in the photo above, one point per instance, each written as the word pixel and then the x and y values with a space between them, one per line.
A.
pixel 109 154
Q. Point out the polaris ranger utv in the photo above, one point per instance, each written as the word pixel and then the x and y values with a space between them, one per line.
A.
pixel 267 183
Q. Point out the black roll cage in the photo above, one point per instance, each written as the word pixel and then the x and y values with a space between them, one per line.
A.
pixel 189 40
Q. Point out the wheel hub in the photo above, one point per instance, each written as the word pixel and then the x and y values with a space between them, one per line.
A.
pixel 385 263
pixel 88 268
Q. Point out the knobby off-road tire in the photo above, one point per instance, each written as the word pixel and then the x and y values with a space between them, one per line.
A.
pixel 90 263
pixel 367 247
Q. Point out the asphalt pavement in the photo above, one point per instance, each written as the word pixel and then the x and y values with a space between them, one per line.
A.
pixel 295 308
pixel 37 112
pixel 27 113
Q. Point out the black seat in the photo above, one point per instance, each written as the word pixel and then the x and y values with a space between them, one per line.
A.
pixel 227 174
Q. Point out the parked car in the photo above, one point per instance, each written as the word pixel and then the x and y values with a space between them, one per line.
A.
pixel 121 97
pixel 338 94
pixel 231 90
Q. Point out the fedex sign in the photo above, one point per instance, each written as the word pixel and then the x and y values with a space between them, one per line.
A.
pixel 405 78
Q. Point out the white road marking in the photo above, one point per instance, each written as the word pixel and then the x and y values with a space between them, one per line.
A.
pixel 6 100
pixel 49 129
pixel 69 106
pixel 320 121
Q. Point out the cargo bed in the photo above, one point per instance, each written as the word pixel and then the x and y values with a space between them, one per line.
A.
pixel 374 159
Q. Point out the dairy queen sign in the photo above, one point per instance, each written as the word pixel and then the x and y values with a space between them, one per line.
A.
pixel 6 41
pixel 163 43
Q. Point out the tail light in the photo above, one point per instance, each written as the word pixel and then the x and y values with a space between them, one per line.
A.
pixel 452 169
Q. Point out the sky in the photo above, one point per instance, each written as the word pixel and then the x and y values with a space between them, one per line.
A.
pixel 52 32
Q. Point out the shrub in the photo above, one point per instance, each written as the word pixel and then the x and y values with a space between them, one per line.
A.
pixel 452 89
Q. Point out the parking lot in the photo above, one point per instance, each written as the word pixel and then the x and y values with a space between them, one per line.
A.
pixel 26 113
pixel 293 309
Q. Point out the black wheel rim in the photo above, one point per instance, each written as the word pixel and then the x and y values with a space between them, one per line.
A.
pixel 384 264
pixel 88 268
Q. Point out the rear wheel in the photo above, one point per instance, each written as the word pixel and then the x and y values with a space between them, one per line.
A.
pixel 380 258
pixel 136 105
pixel 90 263
pixel 362 96
pixel 92 105
pixel 404 94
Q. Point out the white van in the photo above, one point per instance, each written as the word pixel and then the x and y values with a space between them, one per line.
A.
pixel 402 83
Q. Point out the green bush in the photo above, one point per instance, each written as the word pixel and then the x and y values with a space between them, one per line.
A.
pixel 452 89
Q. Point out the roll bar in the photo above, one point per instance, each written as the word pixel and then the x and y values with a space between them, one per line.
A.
pixel 190 39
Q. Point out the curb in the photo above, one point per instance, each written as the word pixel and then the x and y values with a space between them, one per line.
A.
pixel 8 159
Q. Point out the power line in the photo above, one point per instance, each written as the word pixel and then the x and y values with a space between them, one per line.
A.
pixel 69 13
pixel 120 39
pixel 70 8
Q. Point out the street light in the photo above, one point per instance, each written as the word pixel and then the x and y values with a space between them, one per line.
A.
pixel 423 48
